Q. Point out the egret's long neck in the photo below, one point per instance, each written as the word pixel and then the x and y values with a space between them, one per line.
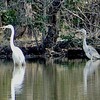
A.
pixel 12 39
pixel 84 41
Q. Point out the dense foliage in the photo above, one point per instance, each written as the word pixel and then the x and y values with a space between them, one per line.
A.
pixel 65 16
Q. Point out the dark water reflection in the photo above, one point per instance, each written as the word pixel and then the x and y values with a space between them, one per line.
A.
pixel 50 80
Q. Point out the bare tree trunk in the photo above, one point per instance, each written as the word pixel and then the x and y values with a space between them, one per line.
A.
pixel 52 33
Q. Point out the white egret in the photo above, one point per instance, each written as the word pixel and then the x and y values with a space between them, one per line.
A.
pixel 90 51
pixel 17 54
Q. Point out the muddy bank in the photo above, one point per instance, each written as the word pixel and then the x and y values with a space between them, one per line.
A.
pixel 31 51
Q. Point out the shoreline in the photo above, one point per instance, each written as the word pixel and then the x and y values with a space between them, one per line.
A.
pixel 31 51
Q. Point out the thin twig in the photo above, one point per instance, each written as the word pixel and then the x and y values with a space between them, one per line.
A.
pixel 83 14
pixel 73 13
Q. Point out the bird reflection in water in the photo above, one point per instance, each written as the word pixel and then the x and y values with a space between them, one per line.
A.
pixel 89 69
pixel 17 81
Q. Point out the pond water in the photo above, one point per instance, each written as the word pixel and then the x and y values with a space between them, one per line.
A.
pixel 50 79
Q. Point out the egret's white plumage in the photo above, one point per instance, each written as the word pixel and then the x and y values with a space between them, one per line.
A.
pixel 17 54
pixel 90 51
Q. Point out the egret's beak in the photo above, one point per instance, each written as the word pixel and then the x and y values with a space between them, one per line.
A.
pixel 77 31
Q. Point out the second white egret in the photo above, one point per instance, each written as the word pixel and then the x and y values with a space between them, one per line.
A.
pixel 90 51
